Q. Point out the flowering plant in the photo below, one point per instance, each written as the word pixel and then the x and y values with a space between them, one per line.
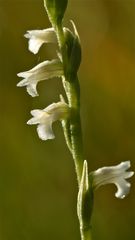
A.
pixel 68 112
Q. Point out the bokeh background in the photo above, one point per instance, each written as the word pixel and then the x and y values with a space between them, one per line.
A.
pixel 37 181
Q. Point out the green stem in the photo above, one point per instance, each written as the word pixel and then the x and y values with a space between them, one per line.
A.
pixel 86 234
pixel 75 142
pixel 73 95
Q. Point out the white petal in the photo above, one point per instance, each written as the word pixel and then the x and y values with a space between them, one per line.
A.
pixel 43 71
pixel 123 188
pixel 128 174
pixel 59 110
pixel 24 74
pixel 45 131
pixel 53 68
pixel 46 70
pixel 47 35
pixel 36 112
pixel 34 45
pixel 33 121
pixel 31 89
pixel 114 174
pixel 38 67
pixel 38 37
pixel 123 166
pixel 22 83
pixel 46 118
pixel 55 63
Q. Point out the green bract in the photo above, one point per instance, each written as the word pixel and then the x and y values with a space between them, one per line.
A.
pixel 73 53
pixel 85 200
pixel 55 10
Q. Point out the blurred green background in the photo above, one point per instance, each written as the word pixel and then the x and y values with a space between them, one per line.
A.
pixel 37 181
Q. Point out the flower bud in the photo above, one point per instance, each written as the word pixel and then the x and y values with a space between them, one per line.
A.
pixel 55 10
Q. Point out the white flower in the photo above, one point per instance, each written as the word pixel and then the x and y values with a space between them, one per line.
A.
pixel 38 37
pixel 114 174
pixel 43 71
pixel 45 118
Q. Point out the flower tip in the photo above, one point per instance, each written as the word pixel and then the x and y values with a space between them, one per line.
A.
pixel 47 138
pixel 33 94
pixel 126 163
pixel 85 165
pixel 18 84
pixel 19 74
pixel 33 51
pixel 75 29
pixel 131 174
pixel 27 35
pixel 123 196
pixel 84 179
pixel 125 166
pixel 62 98
pixel 22 83
pixel 29 122
pixel 35 112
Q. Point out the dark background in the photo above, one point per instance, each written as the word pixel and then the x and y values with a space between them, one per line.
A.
pixel 38 186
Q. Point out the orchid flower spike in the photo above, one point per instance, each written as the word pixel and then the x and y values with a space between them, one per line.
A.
pixel 114 174
pixel 45 118
pixel 38 37
pixel 43 71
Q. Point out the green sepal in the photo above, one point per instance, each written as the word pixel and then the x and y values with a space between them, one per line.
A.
pixel 85 199
pixel 73 52
pixel 55 10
